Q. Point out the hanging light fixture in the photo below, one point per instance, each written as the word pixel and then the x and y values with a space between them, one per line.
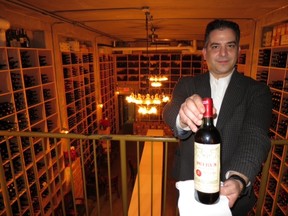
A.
pixel 156 79
pixel 147 99
pixel 147 102
pixel 147 110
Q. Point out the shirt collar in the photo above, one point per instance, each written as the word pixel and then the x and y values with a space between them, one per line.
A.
pixel 221 81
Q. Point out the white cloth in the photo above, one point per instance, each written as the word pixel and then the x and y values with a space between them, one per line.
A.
pixel 188 206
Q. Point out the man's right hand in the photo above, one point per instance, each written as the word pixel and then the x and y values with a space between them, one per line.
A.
pixel 191 112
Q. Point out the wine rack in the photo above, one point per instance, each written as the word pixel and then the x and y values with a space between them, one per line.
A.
pixel 133 70
pixel 243 60
pixel 273 69
pixel 137 67
pixel 80 94
pixel 271 185
pixel 28 103
pixel 108 90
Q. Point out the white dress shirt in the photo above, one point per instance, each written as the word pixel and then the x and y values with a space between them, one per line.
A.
pixel 218 89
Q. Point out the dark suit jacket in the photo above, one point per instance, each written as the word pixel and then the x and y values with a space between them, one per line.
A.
pixel 243 123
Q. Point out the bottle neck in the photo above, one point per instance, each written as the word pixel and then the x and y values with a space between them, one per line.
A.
pixel 208 121
pixel 208 114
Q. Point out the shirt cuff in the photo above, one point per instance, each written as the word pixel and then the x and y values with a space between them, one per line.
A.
pixel 178 125
pixel 231 172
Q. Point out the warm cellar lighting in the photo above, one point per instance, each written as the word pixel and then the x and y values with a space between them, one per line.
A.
pixel 147 99
pixel 147 110
pixel 159 78
pixel 156 84
pixel 64 131
pixel 156 80
pixel 147 102
pixel 144 102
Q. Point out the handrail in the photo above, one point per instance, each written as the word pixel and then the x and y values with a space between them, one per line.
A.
pixel 92 137
pixel 95 138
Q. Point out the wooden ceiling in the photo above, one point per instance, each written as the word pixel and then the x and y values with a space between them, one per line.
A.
pixel 124 20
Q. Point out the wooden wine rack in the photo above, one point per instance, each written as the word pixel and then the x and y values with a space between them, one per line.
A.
pixel 108 90
pixel 134 69
pixel 30 173
pixel 78 68
pixel 273 69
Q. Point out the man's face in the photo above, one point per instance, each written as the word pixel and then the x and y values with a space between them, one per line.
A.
pixel 221 52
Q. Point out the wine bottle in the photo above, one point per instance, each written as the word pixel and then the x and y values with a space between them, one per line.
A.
pixel 30 176
pixel 42 60
pixel 4 152
pixel 21 37
pixel 7 125
pixel 48 109
pixel 18 43
pixel 2 206
pixel 44 78
pixel 22 121
pixel 20 184
pixel 27 157
pixel 15 209
pixel 11 191
pixel 7 172
pixel 13 147
pixel 6 108
pixel 47 94
pixel 12 63
pixel 25 59
pixel 26 42
pixel 25 142
pixel 207 158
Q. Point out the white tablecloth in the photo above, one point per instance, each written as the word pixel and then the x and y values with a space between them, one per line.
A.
pixel 188 206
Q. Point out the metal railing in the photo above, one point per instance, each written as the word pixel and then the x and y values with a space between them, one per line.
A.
pixel 69 174
pixel 90 159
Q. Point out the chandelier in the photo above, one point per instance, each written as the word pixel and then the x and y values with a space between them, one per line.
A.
pixel 147 110
pixel 147 102
pixel 157 79
pixel 147 99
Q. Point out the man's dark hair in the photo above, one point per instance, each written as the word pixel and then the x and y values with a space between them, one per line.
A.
pixel 222 24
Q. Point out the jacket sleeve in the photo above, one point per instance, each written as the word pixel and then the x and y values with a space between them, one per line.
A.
pixel 253 140
pixel 171 109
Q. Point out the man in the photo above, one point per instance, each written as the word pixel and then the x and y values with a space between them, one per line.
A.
pixel 243 109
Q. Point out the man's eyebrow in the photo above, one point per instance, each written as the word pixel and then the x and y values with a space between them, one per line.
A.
pixel 232 42
pixel 216 43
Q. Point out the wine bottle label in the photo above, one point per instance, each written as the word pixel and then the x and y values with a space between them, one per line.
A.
pixel 207 167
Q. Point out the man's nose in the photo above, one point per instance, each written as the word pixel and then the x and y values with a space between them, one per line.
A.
pixel 223 51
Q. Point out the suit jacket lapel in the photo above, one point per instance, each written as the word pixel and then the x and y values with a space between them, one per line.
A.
pixel 231 99
pixel 203 87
